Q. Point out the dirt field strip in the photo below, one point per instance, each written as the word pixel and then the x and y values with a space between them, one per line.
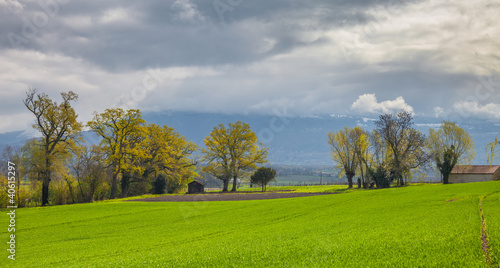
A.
pixel 238 196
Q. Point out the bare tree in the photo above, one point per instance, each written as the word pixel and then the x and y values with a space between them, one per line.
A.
pixel 89 167
pixel 406 143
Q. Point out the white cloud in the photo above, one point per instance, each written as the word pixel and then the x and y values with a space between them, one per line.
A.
pixel 11 5
pixel 97 89
pixel 431 34
pixel 438 111
pixel 472 108
pixel 116 15
pixel 187 11
pixel 367 103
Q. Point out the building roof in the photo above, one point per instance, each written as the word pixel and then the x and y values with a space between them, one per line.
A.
pixel 197 181
pixel 475 169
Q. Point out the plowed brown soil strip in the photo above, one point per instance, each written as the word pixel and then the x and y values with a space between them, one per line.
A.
pixel 225 197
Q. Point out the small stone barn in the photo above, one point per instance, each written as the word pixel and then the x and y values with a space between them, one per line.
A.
pixel 461 174
pixel 196 186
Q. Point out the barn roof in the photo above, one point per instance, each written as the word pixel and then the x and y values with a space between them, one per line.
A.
pixel 475 169
pixel 197 181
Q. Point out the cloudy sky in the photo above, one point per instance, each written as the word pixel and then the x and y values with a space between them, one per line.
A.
pixel 433 57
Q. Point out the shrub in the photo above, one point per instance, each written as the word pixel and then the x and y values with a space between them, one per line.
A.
pixel 160 184
pixel 381 177
pixel 174 185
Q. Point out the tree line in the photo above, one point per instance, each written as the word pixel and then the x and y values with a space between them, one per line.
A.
pixel 395 152
pixel 132 157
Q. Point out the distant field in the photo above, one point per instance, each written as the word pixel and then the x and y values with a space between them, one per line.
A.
pixel 305 179
pixel 415 226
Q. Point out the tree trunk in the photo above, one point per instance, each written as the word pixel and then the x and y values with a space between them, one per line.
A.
pixel 113 186
pixel 45 190
pixel 46 179
pixel 81 188
pixel 363 179
pixel 349 181
pixel 125 184
pixel 70 190
pixel 234 184
pixel 402 182
pixel 445 178
pixel 226 184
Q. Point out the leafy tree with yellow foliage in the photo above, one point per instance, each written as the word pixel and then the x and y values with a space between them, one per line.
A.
pixel 169 153
pixel 232 151
pixel 57 122
pixel 361 139
pixel 120 132
pixel 343 152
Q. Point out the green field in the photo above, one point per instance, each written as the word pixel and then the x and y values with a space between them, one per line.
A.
pixel 415 226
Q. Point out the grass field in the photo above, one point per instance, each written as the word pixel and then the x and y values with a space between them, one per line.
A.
pixel 415 226
pixel 491 210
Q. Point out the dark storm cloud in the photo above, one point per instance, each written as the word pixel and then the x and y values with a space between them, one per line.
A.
pixel 152 32
pixel 308 57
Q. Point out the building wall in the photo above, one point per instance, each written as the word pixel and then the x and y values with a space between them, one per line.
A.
pixel 496 175
pixel 461 178
pixel 195 188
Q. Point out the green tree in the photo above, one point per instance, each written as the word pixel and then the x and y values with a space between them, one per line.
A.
pixel 380 176
pixel 59 128
pixel 343 152
pixel 406 144
pixel 446 164
pixel 232 151
pixel 262 176
pixel 120 133
pixel 160 184
pixel 450 145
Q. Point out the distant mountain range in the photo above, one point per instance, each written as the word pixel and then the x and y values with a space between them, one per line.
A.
pixel 291 140
pixel 303 140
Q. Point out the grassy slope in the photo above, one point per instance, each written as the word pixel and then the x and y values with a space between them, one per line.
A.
pixel 411 226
